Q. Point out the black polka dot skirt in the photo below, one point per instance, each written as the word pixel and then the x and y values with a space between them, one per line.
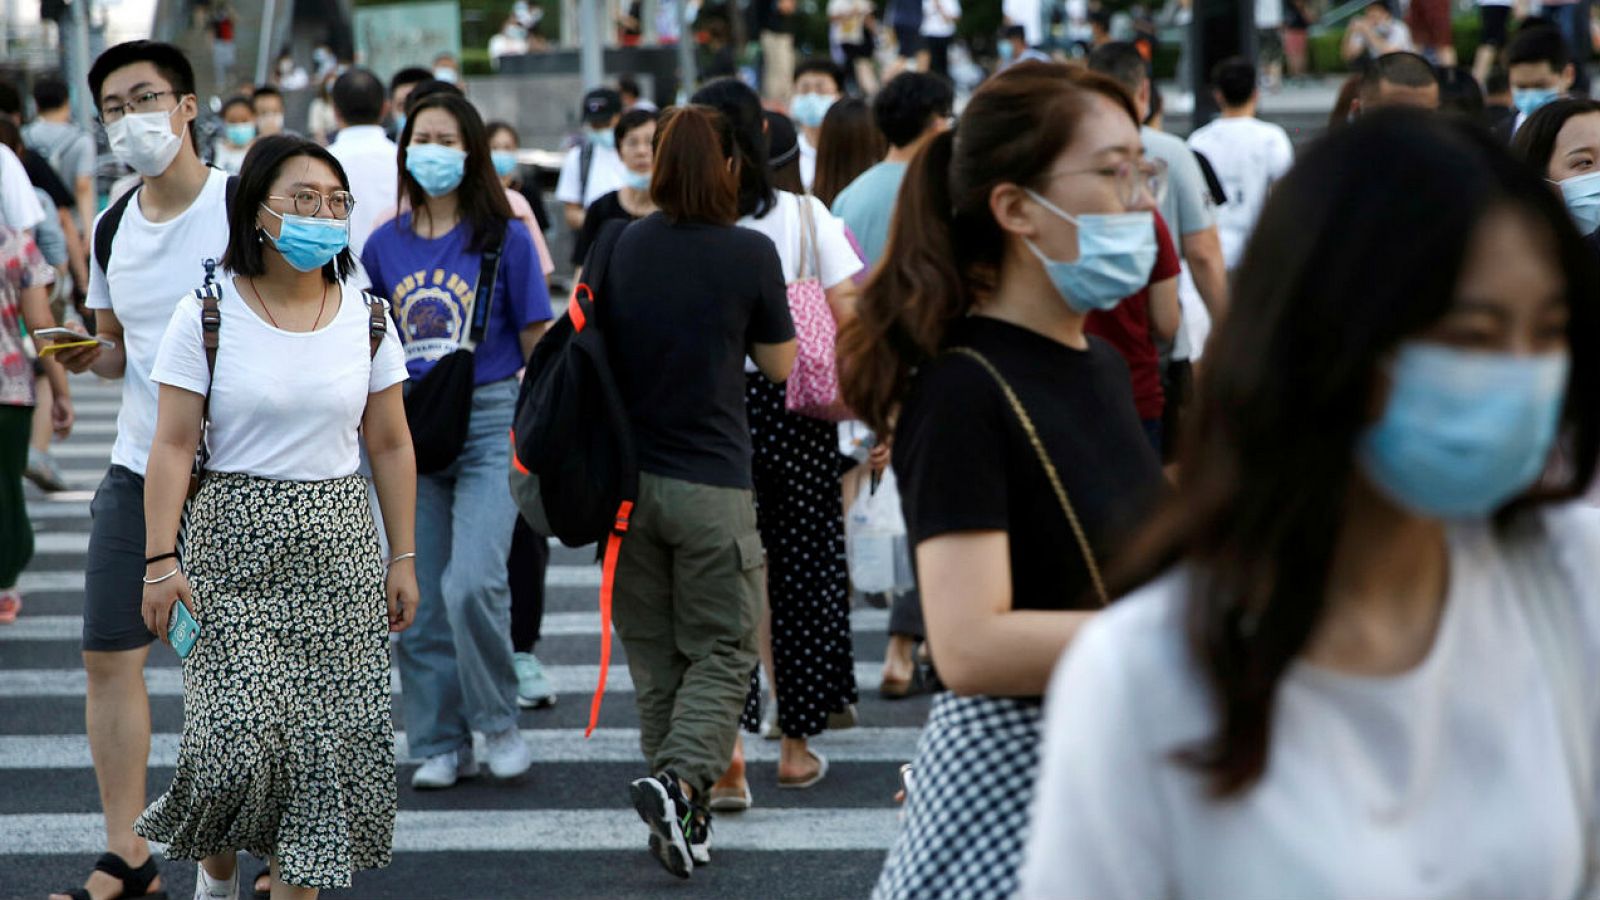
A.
pixel 800 514
pixel 288 746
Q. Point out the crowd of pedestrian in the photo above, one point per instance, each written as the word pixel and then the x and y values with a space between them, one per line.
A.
pixel 1246 496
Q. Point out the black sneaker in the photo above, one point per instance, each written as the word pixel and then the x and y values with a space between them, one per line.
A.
pixel 662 806
pixel 699 835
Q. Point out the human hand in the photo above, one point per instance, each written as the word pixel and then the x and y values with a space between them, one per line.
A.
pixel 879 457
pixel 62 416
pixel 159 600
pixel 78 359
pixel 400 589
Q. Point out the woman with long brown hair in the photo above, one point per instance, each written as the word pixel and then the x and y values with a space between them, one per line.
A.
pixel 848 144
pixel 1019 453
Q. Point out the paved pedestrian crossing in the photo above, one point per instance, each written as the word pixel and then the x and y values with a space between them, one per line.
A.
pixel 564 830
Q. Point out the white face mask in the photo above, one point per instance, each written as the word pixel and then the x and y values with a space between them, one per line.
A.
pixel 144 142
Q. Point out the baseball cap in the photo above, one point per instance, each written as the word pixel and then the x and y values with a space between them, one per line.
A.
pixel 600 105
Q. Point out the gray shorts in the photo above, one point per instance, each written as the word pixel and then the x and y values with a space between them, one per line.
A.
pixel 113 584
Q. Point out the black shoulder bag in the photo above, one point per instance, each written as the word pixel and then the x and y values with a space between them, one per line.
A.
pixel 439 405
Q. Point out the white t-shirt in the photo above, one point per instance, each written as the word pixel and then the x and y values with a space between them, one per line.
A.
pixel 808 160
pixel 1029 15
pixel 371 162
pixel 835 261
pixel 150 263
pixel 1269 14
pixel 284 405
pixel 935 25
pixel 1249 155
pixel 19 206
pixel 606 173
pixel 1449 780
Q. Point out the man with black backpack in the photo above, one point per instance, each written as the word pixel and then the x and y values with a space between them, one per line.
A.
pixel 593 169
pixel 149 250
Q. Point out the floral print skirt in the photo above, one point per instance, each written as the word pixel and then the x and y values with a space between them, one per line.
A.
pixel 288 746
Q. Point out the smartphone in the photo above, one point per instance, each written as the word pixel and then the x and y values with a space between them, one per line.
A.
pixel 66 337
pixel 183 630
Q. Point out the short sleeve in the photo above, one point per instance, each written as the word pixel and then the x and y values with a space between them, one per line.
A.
pixel 1189 184
pixel 1282 155
pixel 389 366
pixel 526 294
pixel 770 322
pixel 99 293
pixel 17 201
pixel 181 358
pixel 954 417
pixel 1168 265
pixel 524 213
pixel 370 262
pixel 839 260
pixel 81 157
pixel 51 240
pixel 568 190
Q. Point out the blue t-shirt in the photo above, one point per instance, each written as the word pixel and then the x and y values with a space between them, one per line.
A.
pixel 867 206
pixel 430 283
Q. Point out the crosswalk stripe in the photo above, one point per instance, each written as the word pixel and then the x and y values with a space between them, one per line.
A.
pixel 565 745
pixel 48 580
pixel 568 624
pixel 91 450
pixel 62 505
pixel 92 405
pixel 98 427
pixel 162 682
pixel 432 831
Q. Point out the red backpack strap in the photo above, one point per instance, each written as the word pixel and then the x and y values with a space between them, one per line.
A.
pixel 608 580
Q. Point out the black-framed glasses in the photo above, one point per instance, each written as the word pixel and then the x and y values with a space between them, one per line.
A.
pixel 1134 179
pixel 308 202
pixel 149 101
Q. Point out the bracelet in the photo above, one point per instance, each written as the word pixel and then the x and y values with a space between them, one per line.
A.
pixel 155 559
pixel 175 570
pixel 399 556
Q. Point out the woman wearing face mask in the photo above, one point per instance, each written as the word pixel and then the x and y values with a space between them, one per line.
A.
pixel 970 352
pixel 635 135
pixel 238 133
pixel 1562 142
pixel 1362 661
pixel 526 201
pixel 456 667
pixel 288 750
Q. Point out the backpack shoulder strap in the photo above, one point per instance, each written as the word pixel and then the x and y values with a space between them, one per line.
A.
pixel 594 271
pixel 585 164
pixel 106 230
pixel 210 297
pixel 377 322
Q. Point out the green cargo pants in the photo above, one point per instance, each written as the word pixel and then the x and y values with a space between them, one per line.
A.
pixel 686 604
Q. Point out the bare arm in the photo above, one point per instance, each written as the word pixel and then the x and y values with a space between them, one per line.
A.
pixel 394 472
pixel 1203 251
pixel 1353 44
pixel 36 315
pixel 166 484
pixel 530 336
pixel 1166 313
pixel 77 250
pixel 982 644
pixel 103 361
pixel 775 361
pixel 574 214
pixel 842 301
pixel 83 190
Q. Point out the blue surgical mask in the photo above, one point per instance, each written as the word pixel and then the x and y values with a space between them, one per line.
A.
pixel 1463 432
pixel 309 242
pixel 1115 256
pixel 1007 52
pixel 809 109
pixel 399 123
pixel 505 162
pixel 1582 194
pixel 639 181
pixel 1529 100
pixel 603 138
pixel 437 168
pixel 241 133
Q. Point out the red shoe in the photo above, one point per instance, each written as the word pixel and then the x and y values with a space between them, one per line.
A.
pixel 10 605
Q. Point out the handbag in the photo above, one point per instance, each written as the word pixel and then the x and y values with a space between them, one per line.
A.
pixel 439 404
pixel 1049 469
pixel 813 386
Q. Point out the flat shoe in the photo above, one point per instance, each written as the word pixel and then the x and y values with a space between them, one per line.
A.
pixel 727 799
pixel 901 688
pixel 813 778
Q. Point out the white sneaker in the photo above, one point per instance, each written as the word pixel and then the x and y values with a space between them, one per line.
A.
pixel 509 755
pixel 208 888
pixel 445 770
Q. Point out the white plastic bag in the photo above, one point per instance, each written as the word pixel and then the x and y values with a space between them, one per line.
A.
pixel 875 539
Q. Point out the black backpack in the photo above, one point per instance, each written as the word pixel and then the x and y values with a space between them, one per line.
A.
pixel 105 231
pixel 574 473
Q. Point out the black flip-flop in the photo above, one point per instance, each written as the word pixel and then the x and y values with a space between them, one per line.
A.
pixel 135 882
pixel 255 892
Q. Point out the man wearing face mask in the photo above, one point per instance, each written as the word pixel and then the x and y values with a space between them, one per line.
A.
pixel 267 103
pixel 1540 69
pixel 174 221
pixel 368 157
pixel 818 84
pixel 592 169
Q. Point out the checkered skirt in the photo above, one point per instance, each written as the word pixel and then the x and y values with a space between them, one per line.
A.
pixel 967 816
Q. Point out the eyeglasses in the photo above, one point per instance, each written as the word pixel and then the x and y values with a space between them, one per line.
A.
pixel 149 101
pixel 1135 179
pixel 308 202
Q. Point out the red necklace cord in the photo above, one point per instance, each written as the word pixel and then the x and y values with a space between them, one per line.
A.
pixel 321 307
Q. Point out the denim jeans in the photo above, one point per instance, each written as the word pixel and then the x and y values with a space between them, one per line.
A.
pixel 456 674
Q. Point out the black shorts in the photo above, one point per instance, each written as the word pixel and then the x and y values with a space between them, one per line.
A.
pixel 1495 20
pixel 853 52
pixel 113 590
pixel 910 40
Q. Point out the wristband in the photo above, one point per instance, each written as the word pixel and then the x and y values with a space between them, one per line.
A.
pixel 155 559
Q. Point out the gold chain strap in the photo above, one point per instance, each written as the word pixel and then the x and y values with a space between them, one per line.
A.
pixel 1049 468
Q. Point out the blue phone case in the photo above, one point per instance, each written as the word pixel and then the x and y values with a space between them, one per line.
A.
pixel 183 630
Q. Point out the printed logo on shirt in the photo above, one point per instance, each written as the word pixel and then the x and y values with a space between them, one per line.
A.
pixel 432 313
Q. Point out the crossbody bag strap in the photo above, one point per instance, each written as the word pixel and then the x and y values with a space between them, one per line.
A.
pixel 808 239
pixel 1049 468
pixel 210 298
pixel 483 291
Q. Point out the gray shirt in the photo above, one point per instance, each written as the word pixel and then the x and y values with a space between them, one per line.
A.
pixel 1187 206
pixel 69 149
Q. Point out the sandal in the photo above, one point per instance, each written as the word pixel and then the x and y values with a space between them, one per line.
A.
pixel 901 688
pixel 731 799
pixel 135 882
pixel 257 893
pixel 809 780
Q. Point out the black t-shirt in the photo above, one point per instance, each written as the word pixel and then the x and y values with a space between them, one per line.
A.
pixel 964 462
pixel 602 210
pixel 682 303
pixel 44 177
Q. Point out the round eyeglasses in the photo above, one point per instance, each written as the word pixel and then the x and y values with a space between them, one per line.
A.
pixel 308 202
pixel 1135 179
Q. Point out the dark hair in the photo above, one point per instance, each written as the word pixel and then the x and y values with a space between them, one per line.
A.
pixel 429 88
pixel 1459 92
pixel 408 75
pixel 1235 79
pixel 10 99
pixel 260 168
pixel 265 90
pixel 690 180
pixel 783 155
pixel 50 93
pixel 630 120
pixel 1535 142
pixel 628 84
pixel 1158 105
pixel 909 103
pixel 11 135
pixel 1399 68
pixel 821 65
pixel 1378 4
pixel 358 97
pixel 1268 459
pixel 945 247
pixel 1014 32
pixel 1538 43
pixel 1498 81
pixel 1122 61
pixel 1348 92
pixel 236 100
pixel 480 197
pixel 495 126
pixel 169 63
pixel 741 106
pixel 848 144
